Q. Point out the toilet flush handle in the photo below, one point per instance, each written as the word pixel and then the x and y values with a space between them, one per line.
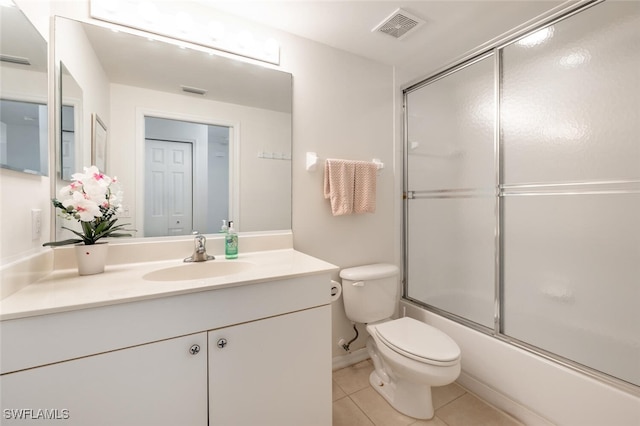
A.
pixel 358 284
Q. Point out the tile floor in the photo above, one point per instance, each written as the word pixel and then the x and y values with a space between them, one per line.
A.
pixel 356 403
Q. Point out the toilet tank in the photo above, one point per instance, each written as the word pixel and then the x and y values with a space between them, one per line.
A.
pixel 370 292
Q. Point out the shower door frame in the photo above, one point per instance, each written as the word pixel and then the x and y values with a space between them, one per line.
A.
pixel 494 48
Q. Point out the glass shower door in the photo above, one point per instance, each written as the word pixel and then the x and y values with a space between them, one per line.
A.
pixel 570 118
pixel 451 188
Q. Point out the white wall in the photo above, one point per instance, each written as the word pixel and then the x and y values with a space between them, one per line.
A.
pixel 342 108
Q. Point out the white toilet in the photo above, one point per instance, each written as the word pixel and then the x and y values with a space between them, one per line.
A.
pixel 409 356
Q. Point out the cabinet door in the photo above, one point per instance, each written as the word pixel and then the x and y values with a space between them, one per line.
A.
pixel 275 371
pixel 160 383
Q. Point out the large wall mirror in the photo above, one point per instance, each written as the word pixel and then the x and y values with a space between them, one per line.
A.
pixel 193 137
pixel 23 94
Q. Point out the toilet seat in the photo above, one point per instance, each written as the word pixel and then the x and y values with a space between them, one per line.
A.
pixel 418 341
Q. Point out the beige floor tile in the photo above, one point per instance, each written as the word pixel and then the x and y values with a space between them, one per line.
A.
pixel 378 409
pixel 469 410
pixel 353 378
pixel 436 421
pixel 347 413
pixel 442 395
pixel 337 391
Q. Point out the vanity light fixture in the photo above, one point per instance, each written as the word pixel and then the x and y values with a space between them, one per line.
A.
pixel 171 19
pixel 216 30
pixel 146 10
pixel 184 23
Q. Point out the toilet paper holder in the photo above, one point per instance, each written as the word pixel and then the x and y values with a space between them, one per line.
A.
pixel 336 290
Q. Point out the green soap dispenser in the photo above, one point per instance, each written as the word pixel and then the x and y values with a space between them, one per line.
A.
pixel 231 243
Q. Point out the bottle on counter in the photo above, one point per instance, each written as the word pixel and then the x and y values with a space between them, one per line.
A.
pixel 231 243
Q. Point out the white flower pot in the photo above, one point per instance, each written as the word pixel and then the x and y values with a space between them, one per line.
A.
pixel 91 258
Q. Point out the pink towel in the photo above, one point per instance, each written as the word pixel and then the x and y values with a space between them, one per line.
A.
pixel 339 178
pixel 350 186
pixel 364 197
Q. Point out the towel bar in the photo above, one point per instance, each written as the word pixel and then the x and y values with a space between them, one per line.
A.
pixel 312 162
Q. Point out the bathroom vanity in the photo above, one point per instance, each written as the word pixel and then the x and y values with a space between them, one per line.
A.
pixel 245 348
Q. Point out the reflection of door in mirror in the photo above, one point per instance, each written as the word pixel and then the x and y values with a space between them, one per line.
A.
pixel 176 203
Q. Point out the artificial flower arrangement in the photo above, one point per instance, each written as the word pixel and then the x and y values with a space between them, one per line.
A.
pixel 93 199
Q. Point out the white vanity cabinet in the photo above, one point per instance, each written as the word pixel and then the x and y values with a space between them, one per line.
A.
pixel 272 372
pixel 156 361
pixel 162 383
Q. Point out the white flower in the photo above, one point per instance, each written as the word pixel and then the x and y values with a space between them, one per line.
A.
pixel 85 209
pixel 94 199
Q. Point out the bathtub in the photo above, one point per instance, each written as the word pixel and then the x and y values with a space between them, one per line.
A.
pixel 534 390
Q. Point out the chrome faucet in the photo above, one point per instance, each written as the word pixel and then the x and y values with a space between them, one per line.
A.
pixel 199 249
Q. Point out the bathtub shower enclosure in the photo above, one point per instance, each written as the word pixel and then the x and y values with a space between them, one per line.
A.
pixel 522 191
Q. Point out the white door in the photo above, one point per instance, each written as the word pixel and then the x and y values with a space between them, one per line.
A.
pixel 168 203
pixel 160 383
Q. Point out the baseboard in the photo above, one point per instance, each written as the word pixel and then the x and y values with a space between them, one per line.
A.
pixel 504 403
pixel 350 358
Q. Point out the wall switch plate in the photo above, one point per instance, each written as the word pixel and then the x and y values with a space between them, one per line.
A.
pixel 36 224
pixel 124 212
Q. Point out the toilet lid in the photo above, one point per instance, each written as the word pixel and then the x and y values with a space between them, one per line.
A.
pixel 418 340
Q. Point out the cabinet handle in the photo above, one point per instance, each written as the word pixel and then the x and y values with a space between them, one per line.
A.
pixel 222 343
pixel 194 349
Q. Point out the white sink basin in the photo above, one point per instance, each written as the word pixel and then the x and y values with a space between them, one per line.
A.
pixel 198 271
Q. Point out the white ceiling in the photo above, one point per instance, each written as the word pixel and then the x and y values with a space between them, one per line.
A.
pixel 452 27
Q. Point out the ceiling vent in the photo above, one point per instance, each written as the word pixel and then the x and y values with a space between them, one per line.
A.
pixel 194 90
pixel 399 24
pixel 15 60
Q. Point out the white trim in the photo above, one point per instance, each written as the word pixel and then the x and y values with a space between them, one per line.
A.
pixel 350 358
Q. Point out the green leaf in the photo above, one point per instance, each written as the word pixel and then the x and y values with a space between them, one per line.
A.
pixel 63 243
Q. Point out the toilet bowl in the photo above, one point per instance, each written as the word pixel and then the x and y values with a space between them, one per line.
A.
pixel 409 356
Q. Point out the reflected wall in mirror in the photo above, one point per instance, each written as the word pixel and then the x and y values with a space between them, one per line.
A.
pixel 127 77
pixel 70 124
pixel 23 94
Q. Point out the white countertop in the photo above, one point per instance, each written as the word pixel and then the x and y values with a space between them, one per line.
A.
pixel 64 290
